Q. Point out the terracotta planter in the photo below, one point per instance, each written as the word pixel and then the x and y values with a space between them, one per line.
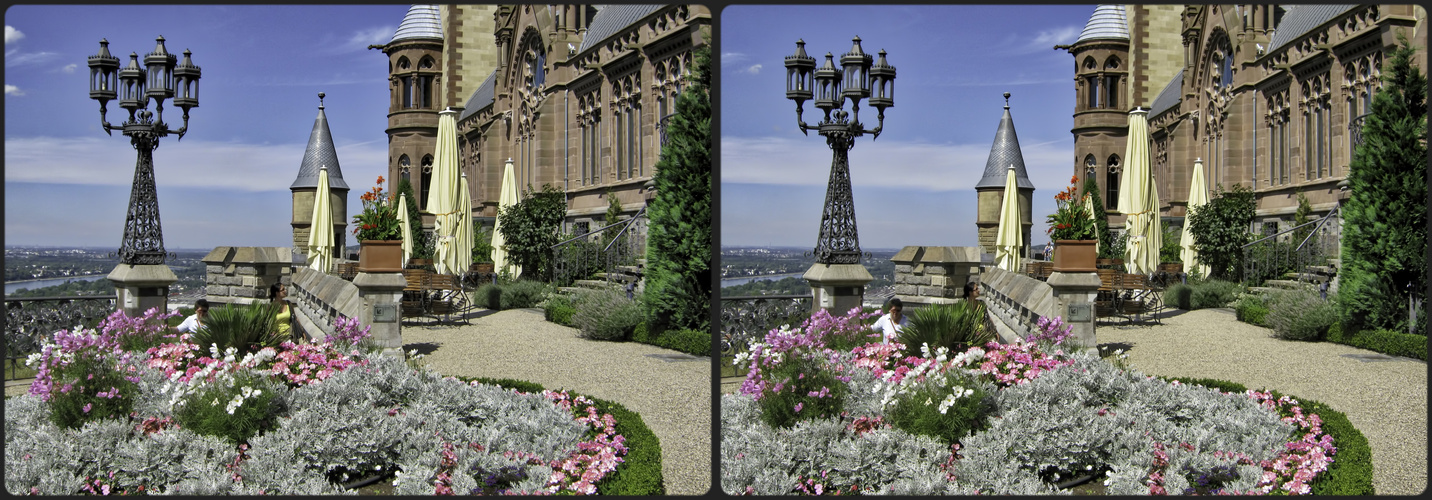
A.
pixel 380 256
pixel 1075 256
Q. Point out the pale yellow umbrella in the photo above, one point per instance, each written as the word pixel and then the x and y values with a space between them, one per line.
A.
pixel 442 195
pixel 507 196
pixel 1138 200
pixel 320 228
pixel 407 229
pixel 1008 239
pixel 1197 197
pixel 464 236
pixel 1089 208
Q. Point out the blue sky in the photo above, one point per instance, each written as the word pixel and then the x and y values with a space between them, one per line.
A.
pixel 915 184
pixel 226 182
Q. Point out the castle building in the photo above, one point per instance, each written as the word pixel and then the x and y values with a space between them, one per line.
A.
pixel 573 95
pixel 1267 96
pixel 320 153
pixel 990 188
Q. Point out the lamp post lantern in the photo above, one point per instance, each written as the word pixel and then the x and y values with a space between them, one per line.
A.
pixel 141 279
pixel 838 278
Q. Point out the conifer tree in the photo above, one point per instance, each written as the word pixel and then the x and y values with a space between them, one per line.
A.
pixel 415 221
pixel 678 252
pixel 1101 218
pixel 1384 240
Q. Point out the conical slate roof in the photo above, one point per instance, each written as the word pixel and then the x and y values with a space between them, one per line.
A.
pixel 320 153
pixel 1004 152
pixel 421 21
pixel 1108 22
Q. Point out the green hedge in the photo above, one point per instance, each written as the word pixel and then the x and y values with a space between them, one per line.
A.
pixel 559 309
pixel 1252 312
pixel 1351 471
pixel 1180 296
pixel 693 342
pixel 1384 341
pixel 639 474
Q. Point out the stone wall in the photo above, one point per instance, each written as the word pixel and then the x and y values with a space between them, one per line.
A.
pixel 1017 300
pixel 320 298
pixel 243 275
pixel 934 275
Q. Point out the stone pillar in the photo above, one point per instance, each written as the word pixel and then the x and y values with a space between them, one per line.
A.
pixel 140 288
pixel 1075 293
pixel 934 275
pixel 837 288
pixel 382 294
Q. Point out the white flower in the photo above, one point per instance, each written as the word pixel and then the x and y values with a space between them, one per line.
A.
pixel 928 401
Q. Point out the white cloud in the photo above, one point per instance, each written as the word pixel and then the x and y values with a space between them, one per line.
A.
pixel 14 58
pixel 361 39
pixel 70 69
pixel 13 90
pixel 1048 39
pixel 12 34
pixel 754 69
pixel 894 164
pixel 187 163
pixel 733 57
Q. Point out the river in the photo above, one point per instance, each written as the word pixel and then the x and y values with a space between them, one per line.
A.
pixel 725 282
pixel 12 286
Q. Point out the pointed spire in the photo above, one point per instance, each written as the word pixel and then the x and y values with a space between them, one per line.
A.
pixel 421 21
pixel 1004 154
pixel 1108 22
pixel 320 154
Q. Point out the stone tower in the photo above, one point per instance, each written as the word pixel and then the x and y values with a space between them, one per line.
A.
pixel 414 74
pixel 320 153
pixel 990 189
pixel 1102 101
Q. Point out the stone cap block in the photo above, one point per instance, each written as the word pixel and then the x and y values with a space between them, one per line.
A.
pixel 219 254
pixel 265 255
pixel 911 255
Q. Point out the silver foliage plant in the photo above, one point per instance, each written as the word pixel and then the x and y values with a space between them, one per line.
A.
pixel 1083 418
pixel 365 420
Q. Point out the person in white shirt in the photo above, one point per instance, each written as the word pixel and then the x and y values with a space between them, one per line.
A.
pixel 192 323
pixel 892 322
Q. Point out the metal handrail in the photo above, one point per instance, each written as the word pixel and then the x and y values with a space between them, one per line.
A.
pixel 609 255
pixel 1300 256
pixel 639 214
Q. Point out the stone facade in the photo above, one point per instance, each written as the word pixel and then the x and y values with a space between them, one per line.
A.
pixel 572 94
pixel 1262 94
pixel 934 275
pixel 243 275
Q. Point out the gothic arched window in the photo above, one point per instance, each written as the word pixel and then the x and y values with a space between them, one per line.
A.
pixel 1111 183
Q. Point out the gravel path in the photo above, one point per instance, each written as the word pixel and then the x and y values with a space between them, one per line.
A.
pixel 1386 399
pixel 672 396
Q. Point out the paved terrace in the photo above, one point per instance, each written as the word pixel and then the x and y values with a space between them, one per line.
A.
pixel 671 390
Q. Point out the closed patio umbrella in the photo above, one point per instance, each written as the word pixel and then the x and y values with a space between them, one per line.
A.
pixel 464 227
pixel 1138 200
pixel 1089 208
pixel 507 196
pixel 442 195
pixel 320 227
pixel 1008 239
pixel 1197 197
pixel 407 229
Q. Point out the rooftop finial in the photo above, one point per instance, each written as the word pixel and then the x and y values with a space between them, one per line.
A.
pixel 1006 100
pixel 320 100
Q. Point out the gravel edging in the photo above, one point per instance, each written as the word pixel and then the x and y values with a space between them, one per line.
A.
pixel 1386 399
pixel 672 396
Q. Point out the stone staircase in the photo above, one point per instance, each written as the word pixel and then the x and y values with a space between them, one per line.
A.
pixel 1310 280
pixel 612 281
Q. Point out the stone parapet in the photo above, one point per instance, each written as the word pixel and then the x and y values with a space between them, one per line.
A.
pixel 926 275
pixel 319 298
pixel 243 275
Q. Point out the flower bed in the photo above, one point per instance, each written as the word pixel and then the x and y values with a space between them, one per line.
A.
pixel 1025 418
pixel 175 418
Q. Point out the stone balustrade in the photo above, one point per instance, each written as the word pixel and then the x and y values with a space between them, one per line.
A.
pixel 319 298
pixel 1017 300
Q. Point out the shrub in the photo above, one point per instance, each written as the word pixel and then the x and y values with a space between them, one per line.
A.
pixel 1300 315
pixel 89 388
pixel 523 293
pixel 955 327
pixel 234 410
pixel 246 328
pixel 488 295
pixel 945 411
pixel 529 230
pixel 606 315
pixel 1214 293
pixel 802 389
pixel 559 309
pixel 693 342
pixel 1179 296
pixel 1384 341
pixel 1220 228
pixel 1249 308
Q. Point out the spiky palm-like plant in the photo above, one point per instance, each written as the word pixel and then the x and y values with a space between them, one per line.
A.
pixel 246 328
pixel 956 327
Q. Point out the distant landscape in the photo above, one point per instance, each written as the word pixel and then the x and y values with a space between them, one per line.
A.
pixel 781 262
pixel 32 263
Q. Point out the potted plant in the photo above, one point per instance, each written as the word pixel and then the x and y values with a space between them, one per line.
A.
pixel 481 248
pixel 1073 230
pixel 379 233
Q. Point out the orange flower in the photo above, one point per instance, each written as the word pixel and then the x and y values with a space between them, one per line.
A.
pixel 380 179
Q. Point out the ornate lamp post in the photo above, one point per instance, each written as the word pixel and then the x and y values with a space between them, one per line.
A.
pixel 837 278
pixel 141 279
